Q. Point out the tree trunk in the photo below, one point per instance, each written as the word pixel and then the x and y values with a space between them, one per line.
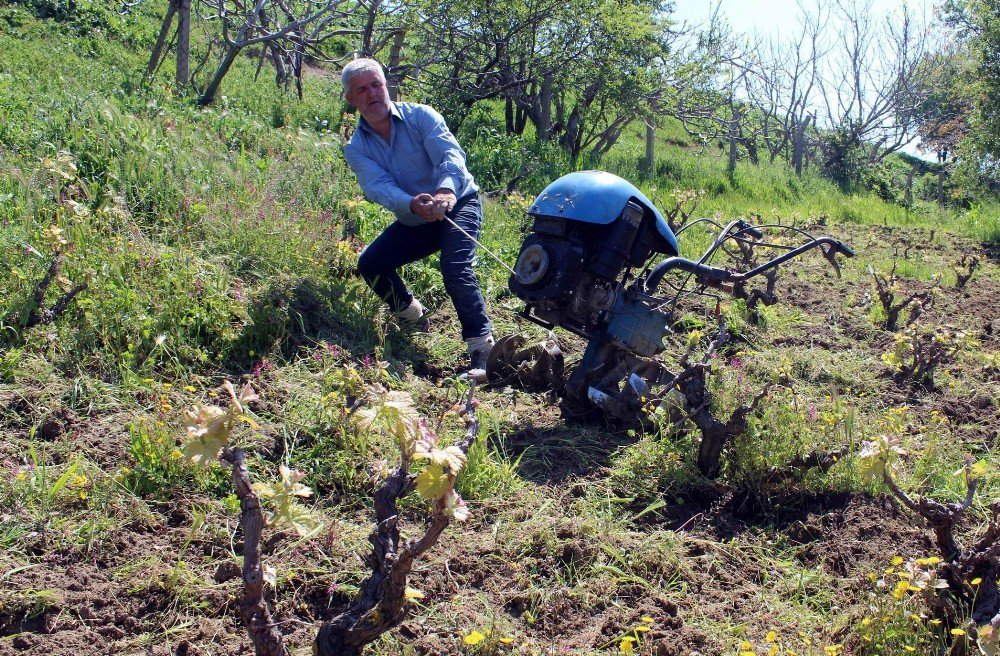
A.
pixel 508 115
pixel 569 133
pixel 751 146
pixel 608 138
pixel 257 618
pixel 208 97
pixel 183 44
pixel 544 126
pixel 297 57
pixel 168 21
pixel 520 121
pixel 734 123
pixel 799 145
pixel 395 55
pixel 647 163
pixel 368 35
pixel 940 181
pixel 281 74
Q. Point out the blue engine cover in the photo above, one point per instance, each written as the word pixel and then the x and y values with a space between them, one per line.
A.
pixel 599 197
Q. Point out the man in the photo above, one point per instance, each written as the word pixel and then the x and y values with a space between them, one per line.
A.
pixel 407 160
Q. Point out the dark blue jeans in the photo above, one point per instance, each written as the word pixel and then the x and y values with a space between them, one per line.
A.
pixel 401 244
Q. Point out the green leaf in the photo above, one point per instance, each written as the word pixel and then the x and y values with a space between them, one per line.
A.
pixel 207 428
pixel 62 480
pixel 451 459
pixel 433 482
pixel 871 461
pixel 204 450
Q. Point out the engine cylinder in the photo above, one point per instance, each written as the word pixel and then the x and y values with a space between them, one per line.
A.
pixel 615 248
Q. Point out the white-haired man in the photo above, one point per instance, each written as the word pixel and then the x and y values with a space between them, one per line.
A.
pixel 407 160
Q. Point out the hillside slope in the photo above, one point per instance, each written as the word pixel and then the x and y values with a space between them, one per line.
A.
pixel 220 244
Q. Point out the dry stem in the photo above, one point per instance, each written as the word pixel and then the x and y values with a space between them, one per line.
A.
pixel 267 639
pixel 381 604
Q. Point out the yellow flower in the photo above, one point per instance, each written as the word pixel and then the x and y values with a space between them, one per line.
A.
pixel 957 632
pixel 897 560
pixel 190 388
pixel 773 650
pixel 745 645
pixel 909 648
pixel 474 638
pixel 412 594
pixel 771 636
pixel 627 645
pixel 976 581
pixel 642 628
pixel 647 619
pixel 507 640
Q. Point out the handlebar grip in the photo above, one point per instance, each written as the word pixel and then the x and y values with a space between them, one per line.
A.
pixel 754 232
pixel 845 249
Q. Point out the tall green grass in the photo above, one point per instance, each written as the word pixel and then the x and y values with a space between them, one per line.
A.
pixel 211 237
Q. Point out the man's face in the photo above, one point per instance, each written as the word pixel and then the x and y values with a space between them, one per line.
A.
pixel 369 95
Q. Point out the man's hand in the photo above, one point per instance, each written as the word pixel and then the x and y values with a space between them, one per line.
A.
pixel 423 205
pixel 433 208
pixel 445 199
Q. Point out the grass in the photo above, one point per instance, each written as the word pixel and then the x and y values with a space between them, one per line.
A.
pixel 220 244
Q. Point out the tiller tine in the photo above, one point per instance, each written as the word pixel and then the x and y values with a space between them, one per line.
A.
pixel 537 367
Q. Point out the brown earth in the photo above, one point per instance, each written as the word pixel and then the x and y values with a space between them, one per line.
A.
pixel 529 563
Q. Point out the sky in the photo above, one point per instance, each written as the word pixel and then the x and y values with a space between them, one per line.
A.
pixel 772 17
pixel 780 19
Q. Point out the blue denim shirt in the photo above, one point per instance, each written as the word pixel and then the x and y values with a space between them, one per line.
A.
pixel 422 156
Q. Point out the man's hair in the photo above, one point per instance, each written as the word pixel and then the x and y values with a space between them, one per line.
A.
pixel 359 66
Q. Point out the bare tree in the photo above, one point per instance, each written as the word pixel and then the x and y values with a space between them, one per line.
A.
pixel 782 83
pixel 270 22
pixel 870 86
pixel 966 581
pixel 182 10
pixel 704 86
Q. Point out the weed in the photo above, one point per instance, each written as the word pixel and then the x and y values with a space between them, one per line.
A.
pixel 919 351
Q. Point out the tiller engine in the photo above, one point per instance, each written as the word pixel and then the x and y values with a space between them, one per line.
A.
pixel 589 265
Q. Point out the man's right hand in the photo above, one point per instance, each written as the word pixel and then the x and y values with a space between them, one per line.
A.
pixel 427 208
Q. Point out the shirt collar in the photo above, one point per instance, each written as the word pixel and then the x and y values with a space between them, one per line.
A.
pixel 393 111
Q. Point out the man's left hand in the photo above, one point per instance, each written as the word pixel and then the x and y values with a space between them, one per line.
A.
pixel 444 201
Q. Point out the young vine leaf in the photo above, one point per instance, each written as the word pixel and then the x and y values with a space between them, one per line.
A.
pixel 283 496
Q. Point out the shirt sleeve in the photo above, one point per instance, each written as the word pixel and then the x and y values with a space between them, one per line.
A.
pixel 375 181
pixel 445 154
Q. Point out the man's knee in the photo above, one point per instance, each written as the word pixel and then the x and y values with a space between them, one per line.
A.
pixel 368 266
pixel 457 273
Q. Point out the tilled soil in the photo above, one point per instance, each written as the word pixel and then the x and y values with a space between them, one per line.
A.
pixel 149 583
